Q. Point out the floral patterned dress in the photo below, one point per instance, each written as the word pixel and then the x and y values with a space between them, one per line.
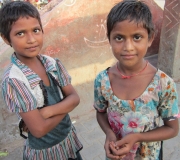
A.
pixel 158 102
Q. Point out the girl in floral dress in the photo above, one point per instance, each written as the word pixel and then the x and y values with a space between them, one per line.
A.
pixel 132 96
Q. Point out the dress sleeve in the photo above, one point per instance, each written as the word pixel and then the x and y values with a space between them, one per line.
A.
pixel 64 77
pixel 17 96
pixel 168 108
pixel 100 104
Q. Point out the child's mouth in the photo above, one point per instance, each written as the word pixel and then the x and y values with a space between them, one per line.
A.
pixel 128 56
pixel 32 48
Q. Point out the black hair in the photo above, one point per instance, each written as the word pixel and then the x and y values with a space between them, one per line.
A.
pixel 12 11
pixel 132 10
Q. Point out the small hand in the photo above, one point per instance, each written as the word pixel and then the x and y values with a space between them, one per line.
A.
pixel 113 146
pixel 110 138
pixel 24 127
pixel 44 113
pixel 123 146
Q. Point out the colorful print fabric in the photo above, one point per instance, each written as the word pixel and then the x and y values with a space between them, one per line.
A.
pixel 158 101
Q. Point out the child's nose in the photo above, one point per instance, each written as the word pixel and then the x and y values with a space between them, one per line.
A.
pixel 128 45
pixel 31 38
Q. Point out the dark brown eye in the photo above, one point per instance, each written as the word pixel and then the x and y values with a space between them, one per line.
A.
pixel 137 37
pixel 37 30
pixel 20 34
pixel 118 38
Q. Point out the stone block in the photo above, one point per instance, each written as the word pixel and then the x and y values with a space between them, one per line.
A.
pixel 169 55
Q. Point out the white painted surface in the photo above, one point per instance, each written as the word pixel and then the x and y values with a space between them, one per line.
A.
pixel 160 3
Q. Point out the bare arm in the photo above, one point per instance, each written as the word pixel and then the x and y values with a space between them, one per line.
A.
pixel 103 122
pixel 65 106
pixel 40 122
pixel 168 130
pixel 49 117
pixel 110 136
pixel 37 125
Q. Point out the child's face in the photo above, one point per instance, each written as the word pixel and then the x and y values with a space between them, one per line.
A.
pixel 129 42
pixel 26 38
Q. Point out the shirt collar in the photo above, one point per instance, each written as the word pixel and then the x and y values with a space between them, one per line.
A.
pixel 31 76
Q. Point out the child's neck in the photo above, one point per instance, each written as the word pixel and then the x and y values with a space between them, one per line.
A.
pixel 126 74
pixel 33 63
